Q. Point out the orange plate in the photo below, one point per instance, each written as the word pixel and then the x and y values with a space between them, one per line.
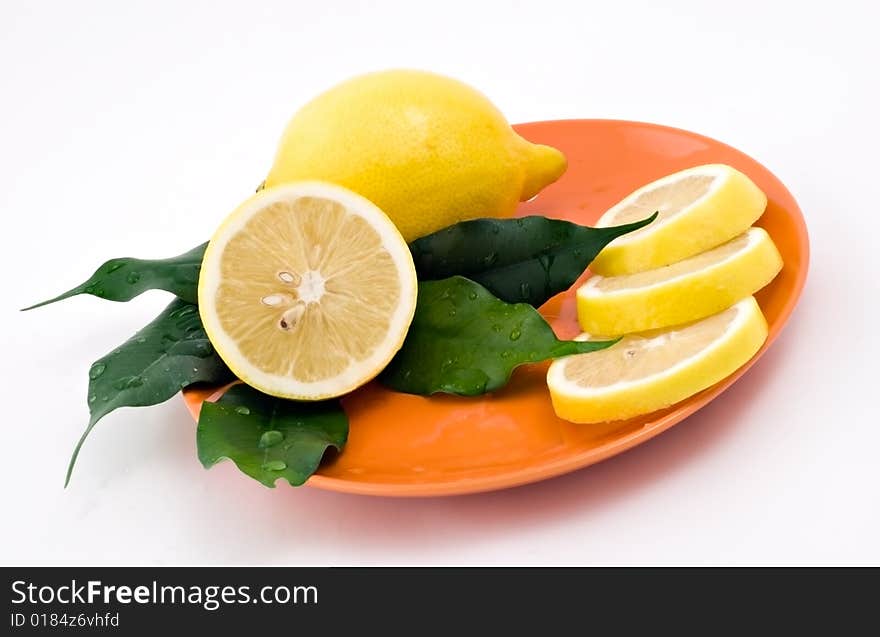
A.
pixel 402 445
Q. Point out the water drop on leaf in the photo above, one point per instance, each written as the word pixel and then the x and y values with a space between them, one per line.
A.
pixel 133 277
pixel 244 411
pixel 128 382
pixel 274 465
pixel 270 438
pixel 96 370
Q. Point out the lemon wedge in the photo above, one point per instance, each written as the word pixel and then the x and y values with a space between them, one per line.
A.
pixel 685 291
pixel 307 291
pixel 645 372
pixel 699 208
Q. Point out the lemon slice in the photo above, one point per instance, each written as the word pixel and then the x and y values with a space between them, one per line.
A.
pixel 699 208
pixel 646 372
pixel 307 291
pixel 685 291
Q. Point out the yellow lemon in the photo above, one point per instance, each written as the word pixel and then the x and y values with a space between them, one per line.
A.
pixel 699 208
pixel 645 372
pixel 685 291
pixel 307 291
pixel 428 150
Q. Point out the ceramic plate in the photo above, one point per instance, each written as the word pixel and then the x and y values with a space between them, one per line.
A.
pixel 402 445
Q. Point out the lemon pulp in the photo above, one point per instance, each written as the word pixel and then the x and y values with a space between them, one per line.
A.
pixel 649 371
pixel 698 209
pixel 307 291
pixel 684 291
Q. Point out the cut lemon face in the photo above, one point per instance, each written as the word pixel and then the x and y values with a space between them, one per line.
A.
pixel 685 291
pixel 307 291
pixel 645 372
pixel 699 208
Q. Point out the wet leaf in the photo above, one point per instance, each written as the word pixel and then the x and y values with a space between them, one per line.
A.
pixel 125 278
pixel 269 438
pixel 465 341
pixel 524 260
pixel 167 355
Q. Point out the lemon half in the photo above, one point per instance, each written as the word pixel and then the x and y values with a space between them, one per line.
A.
pixel 307 291
pixel 645 372
pixel 685 291
pixel 699 208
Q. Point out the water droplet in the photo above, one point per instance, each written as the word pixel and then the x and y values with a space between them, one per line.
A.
pixel 183 311
pixel 133 277
pixel 128 382
pixel 525 290
pixel 114 266
pixel 92 399
pixel 204 349
pixel 195 369
pixel 275 465
pixel 96 370
pixel 490 259
pixel 472 296
pixel 105 398
pixel 452 312
pixel 506 354
pixel 497 327
pixel 270 438
pixel 141 339
pixel 89 289
pixel 515 333
pixel 244 411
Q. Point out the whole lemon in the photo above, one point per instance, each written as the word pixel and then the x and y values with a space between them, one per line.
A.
pixel 427 149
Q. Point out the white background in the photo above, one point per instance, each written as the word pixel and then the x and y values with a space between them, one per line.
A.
pixel 132 128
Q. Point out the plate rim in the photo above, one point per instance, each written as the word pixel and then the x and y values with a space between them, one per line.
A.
pixel 566 464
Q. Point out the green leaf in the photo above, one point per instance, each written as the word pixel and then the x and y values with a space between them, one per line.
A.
pixel 465 341
pixel 269 438
pixel 124 278
pixel 518 260
pixel 170 353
